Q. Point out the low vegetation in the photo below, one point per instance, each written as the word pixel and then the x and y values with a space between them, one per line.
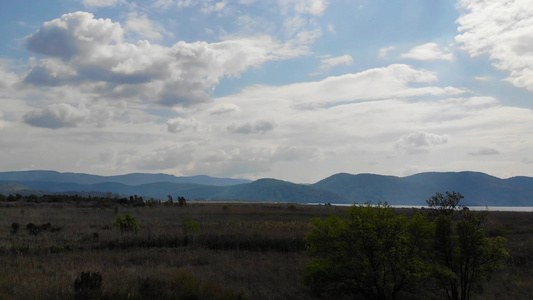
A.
pixel 122 248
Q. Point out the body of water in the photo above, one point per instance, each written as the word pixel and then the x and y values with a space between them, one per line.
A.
pixel 476 208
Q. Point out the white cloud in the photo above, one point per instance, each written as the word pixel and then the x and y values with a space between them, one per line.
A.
pixel 216 7
pixel 74 34
pixel 181 124
pixel 225 108
pixel 331 29
pixel 166 157
pixel 482 78
pixel 383 52
pixel 92 52
pixel 419 142
pixel 429 51
pixel 336 61
pixel 504 31
pixel 313 7
pixel 57 116
pixel 8 79
pixel 143 27
pixel 330 62
pixel 100 3
pixel 370 85
pixel 294 25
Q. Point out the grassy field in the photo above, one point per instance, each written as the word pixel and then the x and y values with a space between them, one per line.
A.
pixel 199 251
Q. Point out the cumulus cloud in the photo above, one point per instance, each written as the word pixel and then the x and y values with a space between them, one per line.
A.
pixel 57 116
pixel 261 126
pixel 51 72
pixel 85 50
pixel 429 51
pixel 74 34
pixel 181 124
pixel 419 142
pixel 504 31
pixel 7 78
pixel 484 151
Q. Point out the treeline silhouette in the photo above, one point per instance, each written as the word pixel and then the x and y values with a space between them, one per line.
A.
pixel 108 199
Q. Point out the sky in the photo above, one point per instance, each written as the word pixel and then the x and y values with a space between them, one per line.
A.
pixel 296 90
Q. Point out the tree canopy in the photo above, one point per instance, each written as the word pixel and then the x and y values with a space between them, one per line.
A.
pixel 373 253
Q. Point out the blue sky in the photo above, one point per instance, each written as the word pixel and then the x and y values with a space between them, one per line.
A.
pixel 291 89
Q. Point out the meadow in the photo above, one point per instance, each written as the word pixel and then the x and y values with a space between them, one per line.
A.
pixel 198 251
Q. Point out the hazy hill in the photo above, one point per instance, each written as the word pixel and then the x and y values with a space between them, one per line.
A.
pixel 478 188
pixel 278 191
pixel 128 179
pixel 265 190
pixel 374 188
pixel 7 188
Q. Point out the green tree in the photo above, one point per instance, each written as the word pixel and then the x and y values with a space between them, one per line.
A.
pixel 462 256
pixel 447 205
pixel 368 252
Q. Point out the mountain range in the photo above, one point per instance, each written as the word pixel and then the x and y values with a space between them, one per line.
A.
pixel 479 189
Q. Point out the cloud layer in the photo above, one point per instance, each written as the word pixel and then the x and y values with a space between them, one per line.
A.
pixel 82 50
pixel 504 31
pixel 296 90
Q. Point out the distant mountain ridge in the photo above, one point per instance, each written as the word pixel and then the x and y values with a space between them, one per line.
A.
pixel 128 179
pixel 479 189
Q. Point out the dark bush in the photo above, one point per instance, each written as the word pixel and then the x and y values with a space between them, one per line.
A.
pixel 14 227
pixel 33 229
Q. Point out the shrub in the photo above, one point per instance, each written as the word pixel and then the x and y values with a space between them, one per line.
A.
pixel 14 228
pixel 36 229
pixel 126 223
pixel 33 229
pixel 190 226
